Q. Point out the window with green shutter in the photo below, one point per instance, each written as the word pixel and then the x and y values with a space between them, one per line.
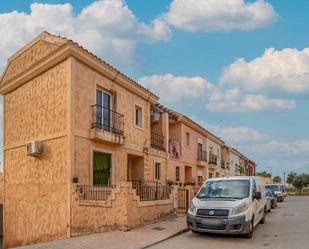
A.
pixel 101 168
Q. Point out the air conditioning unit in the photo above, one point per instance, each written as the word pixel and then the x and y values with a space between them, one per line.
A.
pixel 34 148
pixel 155 117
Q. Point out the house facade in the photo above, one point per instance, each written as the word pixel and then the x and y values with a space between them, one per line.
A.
pixel 214 147
pixel 187 164
pixel 94 126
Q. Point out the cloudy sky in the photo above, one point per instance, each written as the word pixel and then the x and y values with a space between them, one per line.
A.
pixel 240 68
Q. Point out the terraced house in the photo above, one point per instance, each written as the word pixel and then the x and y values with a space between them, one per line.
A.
pixel 78 144
pixel 87 149
pixel 187 163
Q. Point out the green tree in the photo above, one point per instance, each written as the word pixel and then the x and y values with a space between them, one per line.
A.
pixel 264 174
pixel 277 179
pixel 291 177
pixel 306 176
pixel 299 182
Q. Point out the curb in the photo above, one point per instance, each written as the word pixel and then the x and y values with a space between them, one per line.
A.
pixel 167 238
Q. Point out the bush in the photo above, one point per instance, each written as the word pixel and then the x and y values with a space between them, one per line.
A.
pixel 299 182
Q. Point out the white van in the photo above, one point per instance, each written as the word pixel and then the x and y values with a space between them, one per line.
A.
pixel 233 205
pixel 278 189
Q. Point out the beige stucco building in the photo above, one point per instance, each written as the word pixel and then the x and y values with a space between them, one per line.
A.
pixel 94 126
pixel 235 163
pixel 214 151
pixel 187 164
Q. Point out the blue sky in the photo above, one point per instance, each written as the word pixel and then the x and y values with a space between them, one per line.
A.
pixel 188 54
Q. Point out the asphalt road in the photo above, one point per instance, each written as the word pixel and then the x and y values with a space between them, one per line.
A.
pixel 286 227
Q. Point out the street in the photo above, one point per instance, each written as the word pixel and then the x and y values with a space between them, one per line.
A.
pixel 286 227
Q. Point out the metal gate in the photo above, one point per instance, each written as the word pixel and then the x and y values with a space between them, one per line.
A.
pixel 183 200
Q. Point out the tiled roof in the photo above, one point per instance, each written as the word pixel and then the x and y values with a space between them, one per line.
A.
pixel 105 63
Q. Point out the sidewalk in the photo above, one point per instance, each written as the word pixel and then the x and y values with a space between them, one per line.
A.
pixel 138 238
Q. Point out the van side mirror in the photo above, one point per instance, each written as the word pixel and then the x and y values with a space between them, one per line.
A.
pixel 258 195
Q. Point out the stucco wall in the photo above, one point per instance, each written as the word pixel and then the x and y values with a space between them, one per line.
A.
pixel 234 159
pixel 1 188
pixel 188 152
pixel 122 211
pixel 86 82
pixel 35 53
pixel 36 192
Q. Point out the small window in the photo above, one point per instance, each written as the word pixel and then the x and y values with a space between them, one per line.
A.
pixel 188 138
pixel 177 174
pixel 138 116
pixel 157 171
pixel 210 175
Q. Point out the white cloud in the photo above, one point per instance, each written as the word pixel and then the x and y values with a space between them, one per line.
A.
pixel 107 27
pixel 286 70
pixel 283 146
pixel 233 135
pixel 228 95
pixel 175 89
pixel 214 15
pixel 242 134
pixel 250 103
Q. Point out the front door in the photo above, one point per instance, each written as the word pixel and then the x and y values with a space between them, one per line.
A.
pixel 103 113
pixel 101 168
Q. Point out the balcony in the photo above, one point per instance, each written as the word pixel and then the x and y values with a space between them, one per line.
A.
pixel 213 160
pixel 202 157
pixel 237 168
pixel 222 164
pixel 157 141
pixel 107 125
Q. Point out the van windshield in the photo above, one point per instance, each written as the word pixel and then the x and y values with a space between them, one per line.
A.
pixel 274 187
pixel 231 189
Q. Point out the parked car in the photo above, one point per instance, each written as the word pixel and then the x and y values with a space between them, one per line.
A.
pixel 278 189
pixel 268 205
pixel 271 198
pixel 231 205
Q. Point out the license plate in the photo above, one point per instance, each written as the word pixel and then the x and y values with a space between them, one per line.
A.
pixel 210 222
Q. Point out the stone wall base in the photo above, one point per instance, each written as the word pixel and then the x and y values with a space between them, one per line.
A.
pixel 123 211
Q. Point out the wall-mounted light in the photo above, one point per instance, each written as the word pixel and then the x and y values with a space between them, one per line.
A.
pixel 75 179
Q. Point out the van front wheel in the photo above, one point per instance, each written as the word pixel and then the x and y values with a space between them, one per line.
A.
pixel 263 220
pixel 250 233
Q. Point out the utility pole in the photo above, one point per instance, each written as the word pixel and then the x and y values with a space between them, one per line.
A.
pixel 284 179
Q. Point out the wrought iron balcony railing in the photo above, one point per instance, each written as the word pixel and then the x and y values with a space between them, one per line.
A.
pixel 94 192
pixel 157 141
pixel 107 120
pixel 213 159
pixel 150 190
pixel 222 164
pixel 202 155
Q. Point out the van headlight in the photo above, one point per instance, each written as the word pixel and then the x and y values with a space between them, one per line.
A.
pixel 192 208
pixel 240 208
